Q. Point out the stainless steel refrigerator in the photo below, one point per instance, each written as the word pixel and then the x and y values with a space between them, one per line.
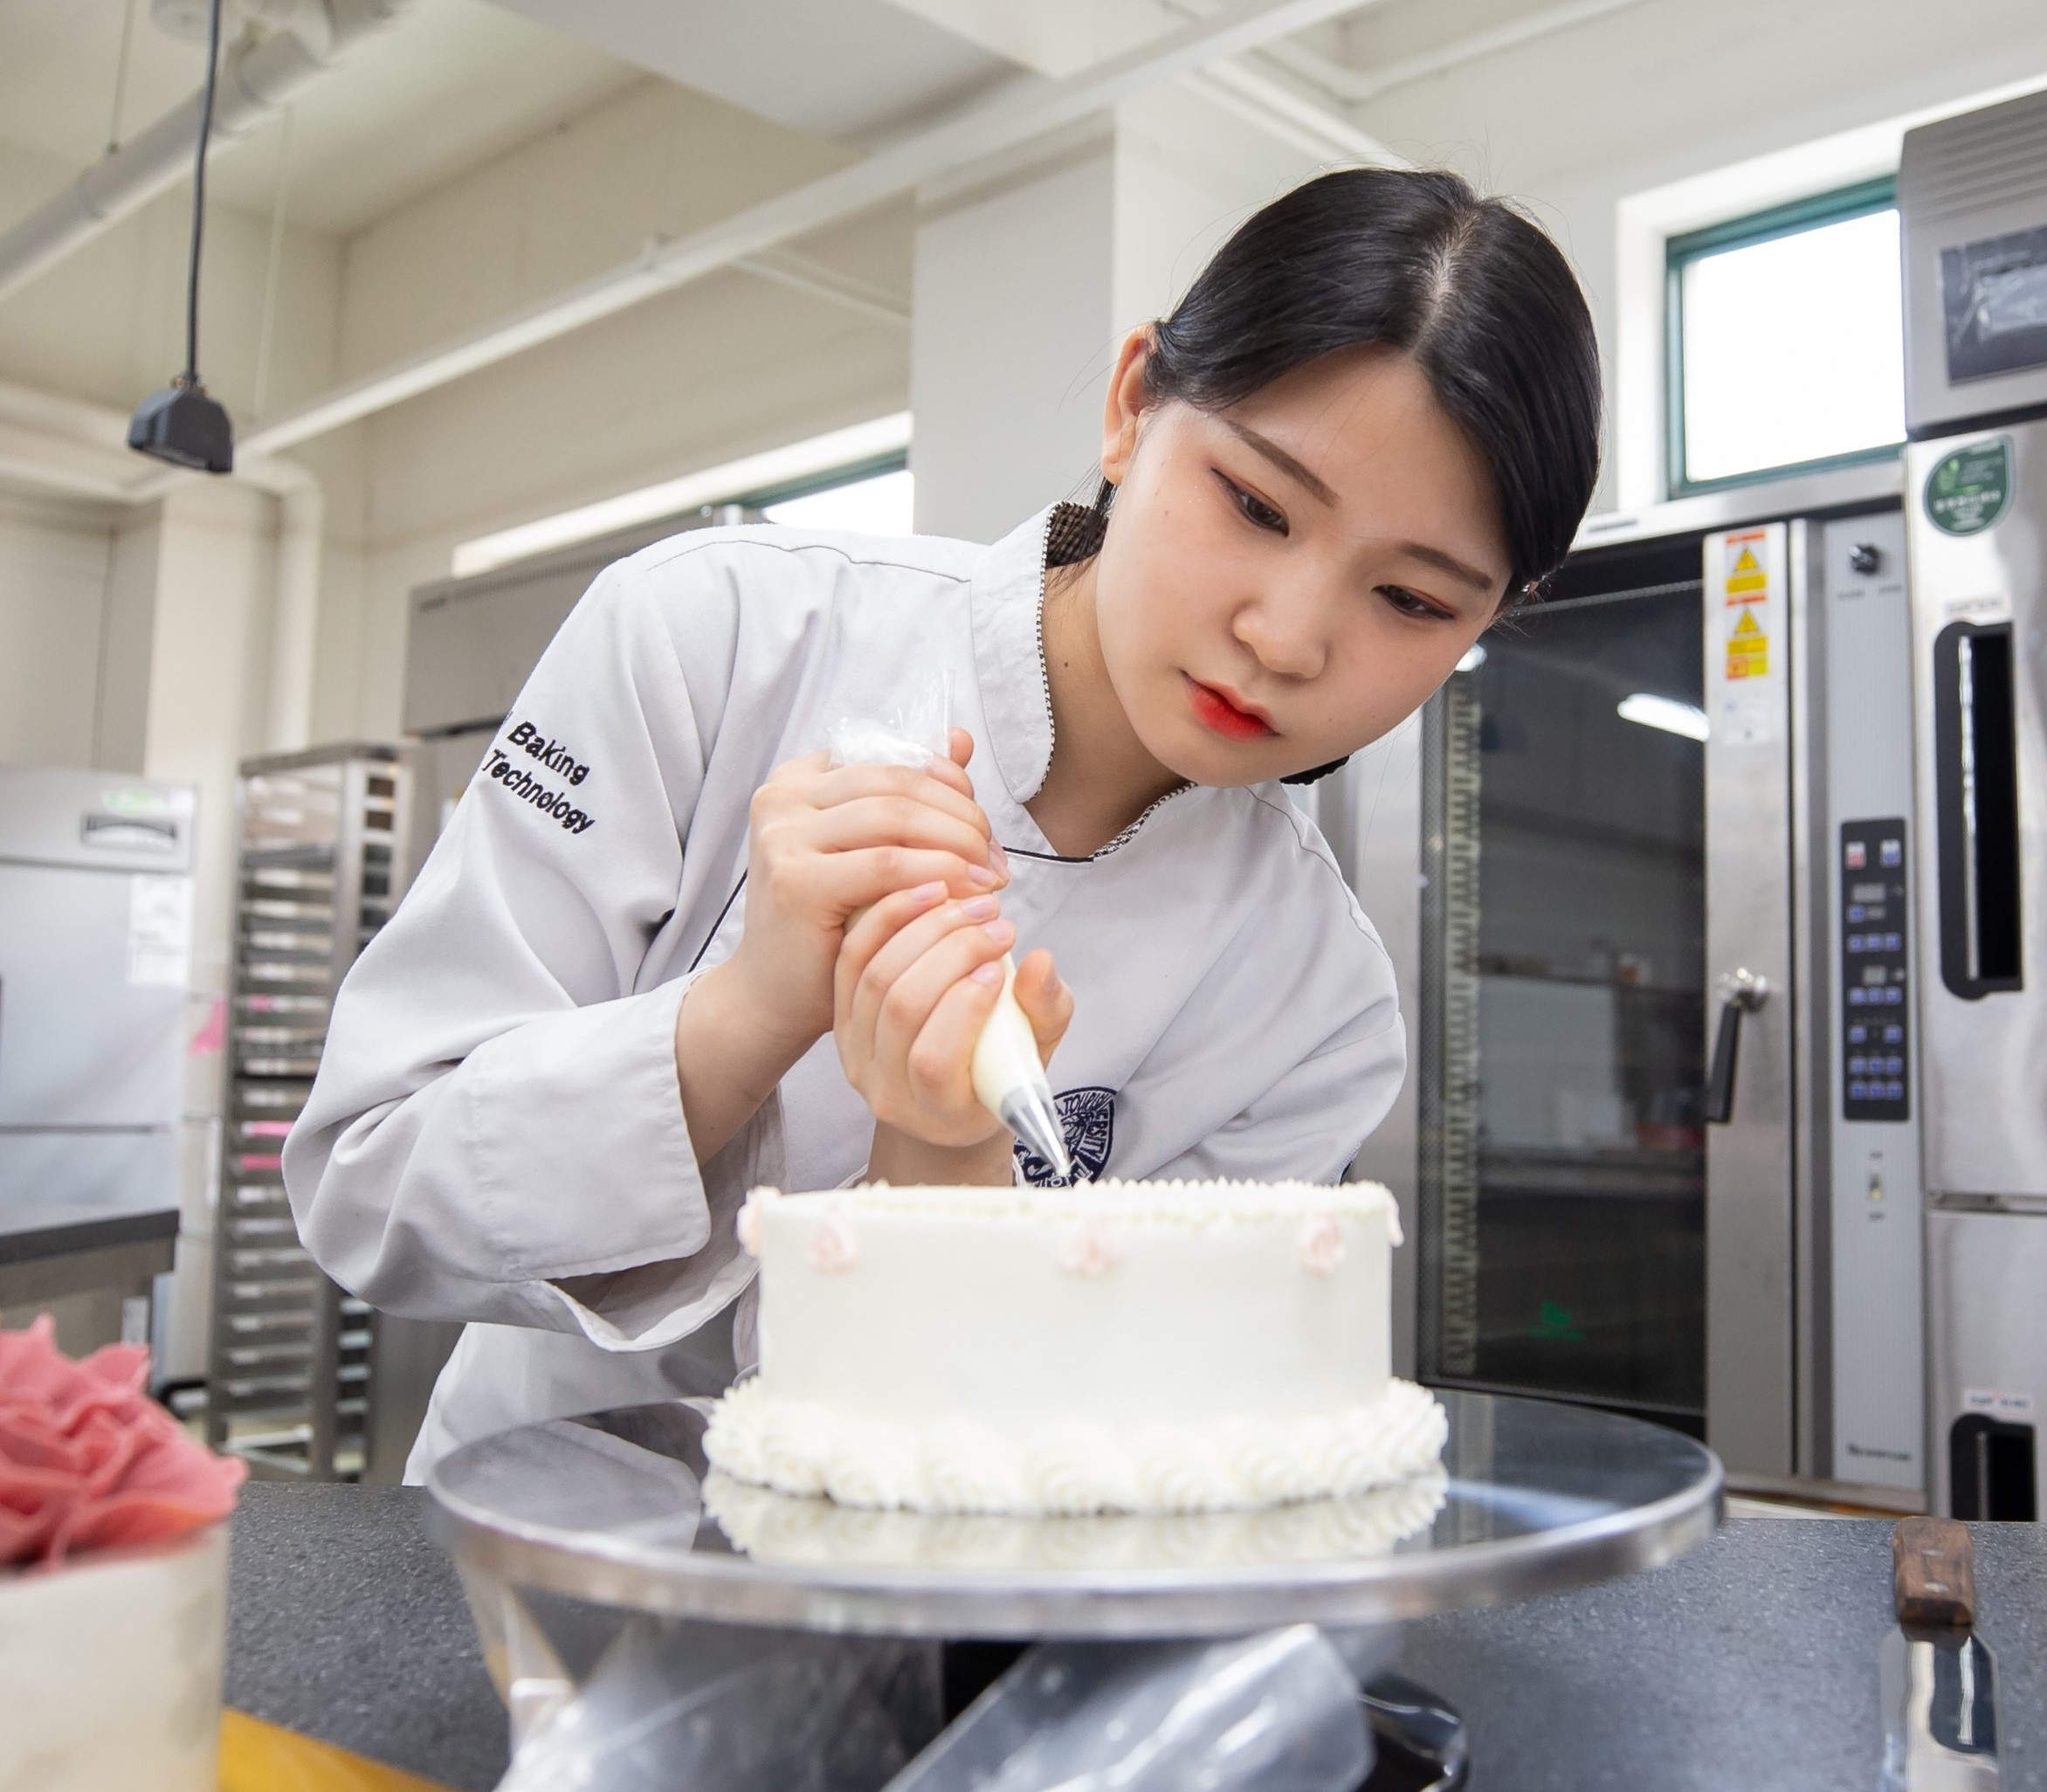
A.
pixel 96 959
pixel 1973 209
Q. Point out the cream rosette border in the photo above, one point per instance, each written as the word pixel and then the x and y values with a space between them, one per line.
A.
pixel 960 1466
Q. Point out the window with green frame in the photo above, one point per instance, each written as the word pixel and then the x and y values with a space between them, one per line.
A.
pixel 1785 345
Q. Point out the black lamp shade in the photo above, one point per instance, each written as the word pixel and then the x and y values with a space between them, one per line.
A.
pixel 182 425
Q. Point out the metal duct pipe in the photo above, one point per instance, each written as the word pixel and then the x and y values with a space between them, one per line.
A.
pixel 258 76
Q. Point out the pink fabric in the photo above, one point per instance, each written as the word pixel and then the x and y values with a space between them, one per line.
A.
pixel 88 1461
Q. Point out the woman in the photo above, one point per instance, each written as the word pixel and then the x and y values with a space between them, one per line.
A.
pixel 665 951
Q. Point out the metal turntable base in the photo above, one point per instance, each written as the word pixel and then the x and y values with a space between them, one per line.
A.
pixel 618 1509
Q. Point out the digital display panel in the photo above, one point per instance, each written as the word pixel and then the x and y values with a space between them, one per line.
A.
pixel 1993 304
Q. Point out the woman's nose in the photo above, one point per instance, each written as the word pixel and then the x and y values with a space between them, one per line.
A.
pixel 1285 634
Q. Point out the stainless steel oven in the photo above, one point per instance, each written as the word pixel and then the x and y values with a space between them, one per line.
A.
pixel 1648 1162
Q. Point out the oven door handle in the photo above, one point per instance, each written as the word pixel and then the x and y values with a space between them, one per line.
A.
pixel 1742 992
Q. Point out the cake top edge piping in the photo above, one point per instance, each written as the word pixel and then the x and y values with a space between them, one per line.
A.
pixel 1177 1199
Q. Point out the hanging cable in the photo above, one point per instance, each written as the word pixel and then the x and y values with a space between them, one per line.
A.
pixel 120 74
pixel 199 196
pixel 181 424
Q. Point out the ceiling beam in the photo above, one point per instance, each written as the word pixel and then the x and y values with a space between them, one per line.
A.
pixel 665 265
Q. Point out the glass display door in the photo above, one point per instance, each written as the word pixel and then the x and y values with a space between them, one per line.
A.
pixel 1560 1057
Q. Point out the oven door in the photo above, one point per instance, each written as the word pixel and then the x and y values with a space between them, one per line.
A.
pixel 1605 899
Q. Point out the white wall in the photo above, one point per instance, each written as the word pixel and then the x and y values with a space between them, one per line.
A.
pixel 54 562
pixel 1029 272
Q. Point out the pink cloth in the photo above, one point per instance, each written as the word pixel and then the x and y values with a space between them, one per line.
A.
pixel 88 1461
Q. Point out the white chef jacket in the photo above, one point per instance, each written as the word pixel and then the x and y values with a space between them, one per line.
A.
pixel 496 1110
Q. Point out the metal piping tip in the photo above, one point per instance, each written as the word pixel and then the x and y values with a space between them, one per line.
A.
pixel 1030 1115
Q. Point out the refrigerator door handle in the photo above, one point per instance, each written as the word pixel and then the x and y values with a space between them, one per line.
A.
pixel 1975 787
pixel 1742 992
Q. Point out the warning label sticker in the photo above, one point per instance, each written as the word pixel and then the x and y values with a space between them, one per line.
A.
pixel 1748 649
pixel 1746 581
pixel 1748 607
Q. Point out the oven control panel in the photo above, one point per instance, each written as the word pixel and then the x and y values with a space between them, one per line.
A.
pixel 1876 1001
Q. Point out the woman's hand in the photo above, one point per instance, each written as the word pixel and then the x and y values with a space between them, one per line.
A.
pixel 915 979
pixel 823 844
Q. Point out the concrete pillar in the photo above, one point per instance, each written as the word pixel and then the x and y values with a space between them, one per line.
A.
pixel 1029 269
pixel 208 680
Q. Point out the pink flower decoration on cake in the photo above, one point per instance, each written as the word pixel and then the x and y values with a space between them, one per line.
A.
pixel 833 1245
pixel 88 1461
pixel 1090 1247
pixel 758 1200
pixel 1321 1243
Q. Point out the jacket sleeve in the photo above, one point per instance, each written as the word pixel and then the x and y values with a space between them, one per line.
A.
pixel 496 1112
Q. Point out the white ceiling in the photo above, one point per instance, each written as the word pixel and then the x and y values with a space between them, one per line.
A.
pixel 834 68
pixel 451 85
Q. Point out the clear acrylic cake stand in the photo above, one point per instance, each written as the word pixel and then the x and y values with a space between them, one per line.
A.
pixel 612 1510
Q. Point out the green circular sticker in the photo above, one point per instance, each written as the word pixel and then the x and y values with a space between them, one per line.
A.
pixel 1967 491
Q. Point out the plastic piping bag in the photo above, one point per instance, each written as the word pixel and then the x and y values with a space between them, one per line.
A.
pixel 1009 1076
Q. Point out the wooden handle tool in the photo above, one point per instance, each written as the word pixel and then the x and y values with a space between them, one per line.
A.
pixel 1933 1573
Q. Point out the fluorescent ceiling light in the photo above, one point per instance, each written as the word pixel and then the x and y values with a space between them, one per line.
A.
pixel 1665 713
pixel 714 484
pixel 1474 658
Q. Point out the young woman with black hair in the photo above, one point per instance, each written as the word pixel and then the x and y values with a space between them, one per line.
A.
pixel 665 951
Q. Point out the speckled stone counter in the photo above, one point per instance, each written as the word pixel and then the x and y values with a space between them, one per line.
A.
pixel 1751 1664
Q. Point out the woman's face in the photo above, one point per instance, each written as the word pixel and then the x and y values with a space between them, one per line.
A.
pixel 1283 581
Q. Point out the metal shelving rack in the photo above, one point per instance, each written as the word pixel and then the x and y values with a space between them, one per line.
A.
pixel 321 862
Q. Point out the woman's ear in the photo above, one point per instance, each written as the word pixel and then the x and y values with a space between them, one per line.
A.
pixel 1125 406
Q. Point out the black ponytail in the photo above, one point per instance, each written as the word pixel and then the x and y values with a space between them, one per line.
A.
pixel 1478 294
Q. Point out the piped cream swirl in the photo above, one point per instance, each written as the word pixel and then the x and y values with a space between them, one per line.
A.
pixel 801 1448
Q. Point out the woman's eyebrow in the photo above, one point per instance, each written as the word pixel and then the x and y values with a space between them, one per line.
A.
pixel 1272 452
pixel 1444 562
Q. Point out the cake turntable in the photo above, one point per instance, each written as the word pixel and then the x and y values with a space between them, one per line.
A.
pixel 615 1509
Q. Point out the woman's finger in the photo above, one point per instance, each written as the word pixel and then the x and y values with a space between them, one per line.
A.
pixel 1047 1003
pixel 839 883
pixel 897 930
pixel 884 821
pixel 893 1014
pixel 849 784
pixel 939 1066
pixel 869 970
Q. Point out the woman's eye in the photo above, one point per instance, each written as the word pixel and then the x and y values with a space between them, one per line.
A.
pixel 1254 507
pixel 1408 604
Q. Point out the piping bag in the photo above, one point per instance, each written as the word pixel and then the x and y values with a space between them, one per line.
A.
pixel 1009 1076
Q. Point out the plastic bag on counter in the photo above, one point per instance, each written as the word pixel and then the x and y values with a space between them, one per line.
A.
pixel 917 731
pixel 690 1707
pixel 1278 1712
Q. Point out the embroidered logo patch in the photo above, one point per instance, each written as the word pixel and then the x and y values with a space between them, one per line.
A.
pixel 1088 1118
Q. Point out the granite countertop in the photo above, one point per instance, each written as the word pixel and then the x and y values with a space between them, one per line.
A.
pixel 1748 1665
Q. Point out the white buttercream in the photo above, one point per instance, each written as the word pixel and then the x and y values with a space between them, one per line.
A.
pixel 802 1449
pixel 772 1528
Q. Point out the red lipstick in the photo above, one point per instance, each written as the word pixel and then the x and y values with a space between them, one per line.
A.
pixel 1224 714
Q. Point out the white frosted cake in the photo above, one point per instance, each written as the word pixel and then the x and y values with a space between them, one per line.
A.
pixel 1119 1347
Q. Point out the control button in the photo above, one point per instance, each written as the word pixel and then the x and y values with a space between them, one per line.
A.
pixel 1858 1034
pixel 1894 1092
pixel 1893 1065
pixel 1858 996
pixel 1858 1065
pixel 1893 1034
pixel 1865 558
pixel 1894 995
pixel 1856 912
pixel 1893 942
pixel 1891 852
pixel 1859 1091
pixel 1855 943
